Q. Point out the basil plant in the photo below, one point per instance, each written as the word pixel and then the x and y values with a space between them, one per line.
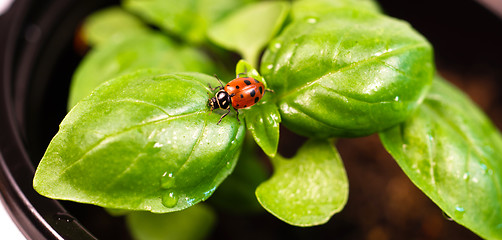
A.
pixel 139 135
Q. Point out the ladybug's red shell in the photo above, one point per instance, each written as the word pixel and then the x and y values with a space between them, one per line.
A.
pixel 245 91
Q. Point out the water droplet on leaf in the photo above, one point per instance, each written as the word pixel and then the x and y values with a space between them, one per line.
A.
pixel 466 176
pixel 169 199
pixel 312 20
pixel 167 180
pixel 446 216
pixel 459 212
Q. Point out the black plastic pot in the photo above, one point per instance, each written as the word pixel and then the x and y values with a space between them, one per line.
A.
pixel 37 61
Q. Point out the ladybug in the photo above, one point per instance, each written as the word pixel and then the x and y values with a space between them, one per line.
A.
pixel 242 92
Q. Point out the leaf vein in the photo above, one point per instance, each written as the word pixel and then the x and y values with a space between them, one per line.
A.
pixel 354 65
pixel 471 145
pixel 94 146
pixel 199 139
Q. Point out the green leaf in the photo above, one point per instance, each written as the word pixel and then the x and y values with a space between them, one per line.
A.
pixel 141 142
pixel 307 189
pixel 263 121
pixel 236 193
pixel 347 76
pixel 190 224
pixel 312 9
pixel 452 152
pixel 111 23
pixel 130 54
pixel 188 19
pixel 249 29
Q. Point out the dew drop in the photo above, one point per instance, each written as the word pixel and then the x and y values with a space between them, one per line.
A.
pixel 396 99
pixel 167 180
pixel 431 138
pixel 466 176
pixel 152 148
pixel 169 199
pixel 446 216
pixel 270 66
pixel 312 20
pixel 459 212
pixel 277 45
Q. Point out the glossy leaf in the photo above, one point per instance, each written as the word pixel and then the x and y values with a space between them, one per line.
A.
pixel 188 19
pixel 249 29
pixel 116 58
pixel 452 152
pixel 263 121
pixel 190 224
pixel 348 75
pixel 141 142
pixel 307 189
pixel 312 9
pixel 236 193
pixel 111 23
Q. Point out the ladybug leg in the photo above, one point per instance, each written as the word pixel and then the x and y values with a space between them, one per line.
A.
pixel 243 73
pixel 269 90
pixel 237 111
pixel 214 88
pixel 224 115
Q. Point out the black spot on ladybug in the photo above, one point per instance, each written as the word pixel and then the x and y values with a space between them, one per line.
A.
pixel 253 92
pixel 256 99
pixel 261 90
pixel 245 105
pixel 242 96
pixel 247 82
pixel 237 86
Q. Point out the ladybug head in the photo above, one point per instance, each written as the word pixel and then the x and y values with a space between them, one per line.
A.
pixel 220 100
pixel 213 103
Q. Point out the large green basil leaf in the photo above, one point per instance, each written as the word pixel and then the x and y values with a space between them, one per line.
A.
pixel 110 23
pixel 188 19
pixel 452 152
pixel 190 224
pixel 311 9
pixel 141 142
pixel 148 50
pixel 347 75
pixel 236 193
pixel 244 32
pixel 307 189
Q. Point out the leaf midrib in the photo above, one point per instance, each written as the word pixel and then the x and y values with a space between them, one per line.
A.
pixel 104 138
pixel 353 65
